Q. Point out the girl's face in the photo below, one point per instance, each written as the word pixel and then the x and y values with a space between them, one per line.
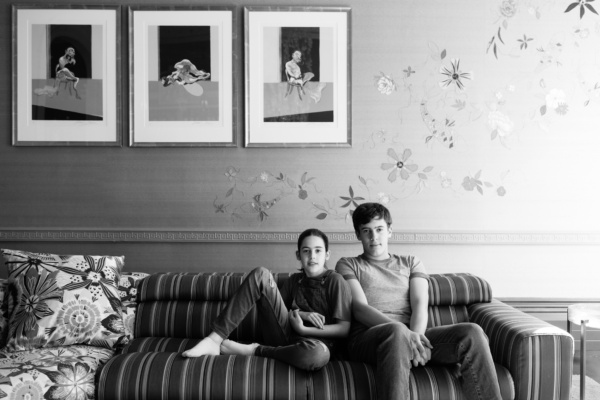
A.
pixel 313 255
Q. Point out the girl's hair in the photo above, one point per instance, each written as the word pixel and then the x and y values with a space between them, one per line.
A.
pixel 313 232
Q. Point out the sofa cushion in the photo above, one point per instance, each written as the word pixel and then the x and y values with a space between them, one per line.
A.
pixel 169 375
pixel 458 289
pixel 60 373
pixel 56 300
pixel 183 305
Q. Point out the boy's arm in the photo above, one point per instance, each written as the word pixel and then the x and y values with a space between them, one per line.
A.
pixel 370 316
pixel 419 303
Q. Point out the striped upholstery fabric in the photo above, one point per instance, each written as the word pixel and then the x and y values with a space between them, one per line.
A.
pixel 184 305
pixel 458 289
pixel 163 376
pixel 450 294
pixel 447 315
pixel 538 355
pixel 175 310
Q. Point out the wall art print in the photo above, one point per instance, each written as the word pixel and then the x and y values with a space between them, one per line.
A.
pixel 182 76
pixel 65 75
pixel 297 77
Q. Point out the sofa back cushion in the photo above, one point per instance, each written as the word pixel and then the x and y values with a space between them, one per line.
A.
pixel 183 305
pixel 450 294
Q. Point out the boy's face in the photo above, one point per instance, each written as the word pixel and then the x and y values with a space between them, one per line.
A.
pixel 374 237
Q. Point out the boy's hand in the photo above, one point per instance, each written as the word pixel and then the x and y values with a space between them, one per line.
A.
pixel 316 319
pixel 421 349
pixel 296 321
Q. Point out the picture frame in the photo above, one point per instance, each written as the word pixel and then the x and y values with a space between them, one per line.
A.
pixel 65 75
pixel 298 76
pixel 182 76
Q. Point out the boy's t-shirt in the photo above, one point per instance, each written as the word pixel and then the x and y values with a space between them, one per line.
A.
pixel 386 282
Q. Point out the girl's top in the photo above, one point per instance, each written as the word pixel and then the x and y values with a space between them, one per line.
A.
pixel 328 295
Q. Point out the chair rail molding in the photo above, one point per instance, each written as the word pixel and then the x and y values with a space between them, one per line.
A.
pixel 215 236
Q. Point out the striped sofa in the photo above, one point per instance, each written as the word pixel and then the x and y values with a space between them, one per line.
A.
pixel 533 358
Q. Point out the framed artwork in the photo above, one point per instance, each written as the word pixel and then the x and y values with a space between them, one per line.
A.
pixel 297 70
pixel 65 75
pixel 182 76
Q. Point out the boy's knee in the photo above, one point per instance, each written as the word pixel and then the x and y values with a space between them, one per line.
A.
pixel 473 333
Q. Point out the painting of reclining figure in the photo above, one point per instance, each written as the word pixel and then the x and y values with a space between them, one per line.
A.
pixel 183 84
pixel 298 78
pixel 67 72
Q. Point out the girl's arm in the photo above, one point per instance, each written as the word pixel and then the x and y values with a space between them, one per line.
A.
pixel 339 329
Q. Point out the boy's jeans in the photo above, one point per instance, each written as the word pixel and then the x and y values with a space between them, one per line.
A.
pixel 386 347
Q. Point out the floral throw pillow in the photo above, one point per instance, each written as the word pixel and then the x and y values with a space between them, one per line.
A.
pixel 128 292
pixel 57 300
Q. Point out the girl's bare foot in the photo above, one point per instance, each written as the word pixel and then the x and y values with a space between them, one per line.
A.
pixel 206 346
pixel 234 348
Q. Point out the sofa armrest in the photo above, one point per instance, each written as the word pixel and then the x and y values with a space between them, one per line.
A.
pixel 538 355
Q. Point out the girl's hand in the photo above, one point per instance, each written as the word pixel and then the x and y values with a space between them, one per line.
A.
pixel 314 318
pixel 296 321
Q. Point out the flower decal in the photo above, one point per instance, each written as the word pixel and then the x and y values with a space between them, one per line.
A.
pixel 401 165
pixel 508 8
pixel 500 124
pixel 446 182
pixel 454 75
pixel 473 182
pixel 583 5
pixel 556 100
pixel 385 84
pixel 351 199
pixel 72 382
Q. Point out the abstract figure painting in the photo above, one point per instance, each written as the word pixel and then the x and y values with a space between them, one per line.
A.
pixel 65 74
pixel 181 76
pixel 297 76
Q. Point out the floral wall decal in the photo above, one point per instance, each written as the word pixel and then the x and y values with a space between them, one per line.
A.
pixel 456 120
pixel 583 5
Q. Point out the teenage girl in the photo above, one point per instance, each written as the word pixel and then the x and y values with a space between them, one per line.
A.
pixel 300 322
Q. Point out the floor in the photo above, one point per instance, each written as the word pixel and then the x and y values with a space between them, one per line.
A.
pixel 592 364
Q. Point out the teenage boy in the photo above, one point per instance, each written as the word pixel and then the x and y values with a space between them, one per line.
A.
pixel 389 327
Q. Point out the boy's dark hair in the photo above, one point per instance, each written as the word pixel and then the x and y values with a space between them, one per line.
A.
pixel 366 212
pixel 313 232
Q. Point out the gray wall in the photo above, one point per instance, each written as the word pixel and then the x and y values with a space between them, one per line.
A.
pixel 513 200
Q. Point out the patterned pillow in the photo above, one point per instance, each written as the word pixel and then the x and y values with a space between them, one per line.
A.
pixel 57 300
pixel 3 312
pixel 128 292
